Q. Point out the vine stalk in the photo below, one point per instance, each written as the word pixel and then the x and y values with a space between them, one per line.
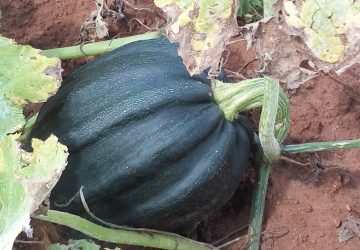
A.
pixel 96 48
pixel 128 236
pixel 319 146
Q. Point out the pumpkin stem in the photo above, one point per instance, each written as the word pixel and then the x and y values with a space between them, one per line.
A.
pixel 233 98
pixel 268 153
pixel 274 124
pixel 258 205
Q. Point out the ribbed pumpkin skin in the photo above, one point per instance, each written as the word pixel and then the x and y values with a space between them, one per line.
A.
pixel 146 140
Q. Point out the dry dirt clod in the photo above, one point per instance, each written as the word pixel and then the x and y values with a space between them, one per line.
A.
pixel 321 234
pixel 307 208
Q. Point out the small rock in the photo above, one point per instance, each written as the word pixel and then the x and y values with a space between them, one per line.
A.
pixel 304 237
pixel 348 207
pixel 337 222
pixel 296 202
pixel 269 242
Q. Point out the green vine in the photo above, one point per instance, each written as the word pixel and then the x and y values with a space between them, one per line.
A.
pixel 128 236
pixel 93 49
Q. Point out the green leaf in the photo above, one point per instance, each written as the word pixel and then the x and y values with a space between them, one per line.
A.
pixel 25 76
pixel 244 7
pixel 11 117
pixel 26 179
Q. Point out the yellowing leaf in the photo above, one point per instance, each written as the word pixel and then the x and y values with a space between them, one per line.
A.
pixel 328 25
pixel 25 181
pixel 306 37
pixel 202 28
pixel 25 76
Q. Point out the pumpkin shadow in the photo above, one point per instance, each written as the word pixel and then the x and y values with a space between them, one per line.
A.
pixel 232 219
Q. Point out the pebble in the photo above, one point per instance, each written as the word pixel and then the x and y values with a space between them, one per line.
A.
pixel 348 207
pixel 269 242
pixel 337 222
pixel 304 237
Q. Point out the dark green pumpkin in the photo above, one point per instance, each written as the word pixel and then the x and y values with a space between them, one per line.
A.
pixel 146 140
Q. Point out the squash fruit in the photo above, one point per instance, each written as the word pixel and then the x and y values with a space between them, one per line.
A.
pixel 147 141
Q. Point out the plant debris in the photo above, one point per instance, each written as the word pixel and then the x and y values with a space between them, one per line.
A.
pixel 305 38
pixel 95 26
pixel 198 27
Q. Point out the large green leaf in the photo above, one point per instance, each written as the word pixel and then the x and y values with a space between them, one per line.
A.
pixel 25 76
pixel 26 178
pixel 25 181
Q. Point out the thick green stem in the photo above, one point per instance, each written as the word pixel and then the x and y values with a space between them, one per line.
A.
pixel 274 124
pixel 270 145
pixel 233 98
pixel 258 205
pixel 268 153
pixel 138 237
pixel 319 146
pixel 96 48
